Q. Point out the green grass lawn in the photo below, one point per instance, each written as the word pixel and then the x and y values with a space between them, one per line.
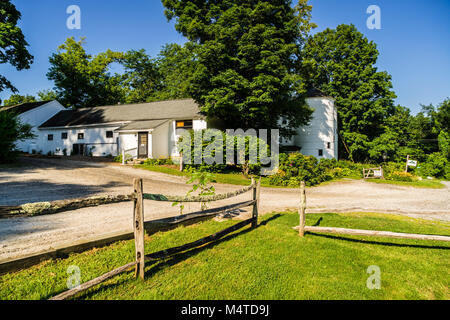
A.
pixel 239 179
pixel 269 262
pixel 162 169
pixel 432 184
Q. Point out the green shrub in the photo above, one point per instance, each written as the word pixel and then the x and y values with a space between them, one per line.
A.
pixel 295 167
pixel 402 176
pixel 11 131
pixel 436 165
pixel 198 151
pixel 391 167
pixel 159 162
pixel 119 157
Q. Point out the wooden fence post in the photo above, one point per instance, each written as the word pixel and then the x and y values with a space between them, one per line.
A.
pixel 407 159
pixel 302 209
pixel 256 195
pixel 181 162
pixel 138 220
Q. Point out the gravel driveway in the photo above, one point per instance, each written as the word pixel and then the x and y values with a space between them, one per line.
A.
pixel 54 179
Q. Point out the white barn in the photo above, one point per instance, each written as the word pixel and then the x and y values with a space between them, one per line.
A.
pixel 34 114
pixel 145 130
pixel 148 130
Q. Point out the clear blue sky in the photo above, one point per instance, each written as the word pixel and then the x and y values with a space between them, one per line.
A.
pixel 414 40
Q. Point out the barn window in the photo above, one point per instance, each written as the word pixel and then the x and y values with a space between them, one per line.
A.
pixel 329 145
pixel 80 136
pixel 320 153
pixel 109 134
pixel 50 137
pixel 64 135
pixel 184 124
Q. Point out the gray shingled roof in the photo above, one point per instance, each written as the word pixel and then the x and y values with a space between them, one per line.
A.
pixel 24 107
pixel 142 125
pixel 314 93
pixel 162 110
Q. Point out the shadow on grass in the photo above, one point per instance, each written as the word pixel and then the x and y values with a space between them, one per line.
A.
pixel 154 267
pixel 389 244
pixel 382 243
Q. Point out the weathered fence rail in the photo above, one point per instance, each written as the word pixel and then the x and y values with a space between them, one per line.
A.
pixel 302 228
pixel 160 197
pixel 93 282
pixel 151 227
pixel 374 233
pixel 140 227
pixel 38 208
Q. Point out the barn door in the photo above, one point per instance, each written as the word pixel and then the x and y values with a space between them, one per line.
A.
pixel 143 145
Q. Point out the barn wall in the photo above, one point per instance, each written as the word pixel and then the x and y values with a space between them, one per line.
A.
pixel 35 118
pixel 94 138
pixel 161 141
pixel 128 141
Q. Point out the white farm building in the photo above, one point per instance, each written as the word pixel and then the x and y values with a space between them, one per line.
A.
pixel 148 130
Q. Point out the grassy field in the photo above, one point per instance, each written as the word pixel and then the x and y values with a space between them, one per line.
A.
pixel 432 184
pixel 239 179
pixel 269 262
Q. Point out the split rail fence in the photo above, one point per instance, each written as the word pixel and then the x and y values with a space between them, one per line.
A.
pixel 140 227
pixel 302 228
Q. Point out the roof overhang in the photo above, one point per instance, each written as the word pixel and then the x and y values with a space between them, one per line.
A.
pixel 111 124
pixel 143 125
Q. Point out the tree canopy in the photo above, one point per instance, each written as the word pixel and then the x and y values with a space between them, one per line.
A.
pixel 176 64
pixel 47 95
pixel 341 63
pixel 82 80
pixel 247 55
pixel 11 131
pixel 13 46
pixel 165 77
pixel 44 95
pixel 18 99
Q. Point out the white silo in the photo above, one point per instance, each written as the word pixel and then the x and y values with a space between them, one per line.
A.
pixel 320 137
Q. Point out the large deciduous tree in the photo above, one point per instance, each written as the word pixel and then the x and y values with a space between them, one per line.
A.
pixel 13 46
pixel 165 77
pixel 47 95
pixel 341 63
pixel 141 79
pixel 83 80
pixel 247 55
pixel 176 64
pixel 394 141
pixel 11 131
pixel 18 99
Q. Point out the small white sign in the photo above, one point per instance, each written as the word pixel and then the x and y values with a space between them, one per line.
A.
pixel 412 163
pixel 377 173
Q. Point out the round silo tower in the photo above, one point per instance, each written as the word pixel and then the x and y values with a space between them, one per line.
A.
pixel 320 137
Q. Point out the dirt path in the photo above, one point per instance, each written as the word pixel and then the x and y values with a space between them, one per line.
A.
pixel 53 179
